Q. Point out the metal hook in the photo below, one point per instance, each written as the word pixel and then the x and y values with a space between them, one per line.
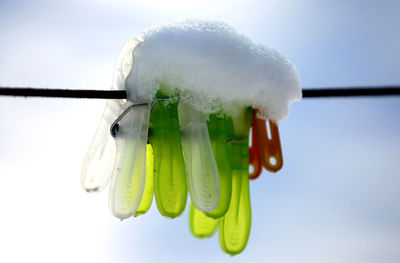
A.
pixel 114 126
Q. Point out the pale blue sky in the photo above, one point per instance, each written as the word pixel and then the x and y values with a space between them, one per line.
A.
pixel 335 200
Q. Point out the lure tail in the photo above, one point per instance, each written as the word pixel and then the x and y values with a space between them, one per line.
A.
pixel 129 176
pixel 169 168
pixel 234 227
pixel 217 128
pixel 201 168
pixel 201 225
pixel 100 158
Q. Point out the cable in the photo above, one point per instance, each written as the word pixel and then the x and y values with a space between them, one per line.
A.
pixel 63 93
pixel 121 94
pixel 352 92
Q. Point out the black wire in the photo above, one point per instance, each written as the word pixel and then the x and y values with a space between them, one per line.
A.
pixel 63 93
pixel 121 94
pixel 352 92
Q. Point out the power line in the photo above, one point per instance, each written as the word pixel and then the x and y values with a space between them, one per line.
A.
pixel 121 94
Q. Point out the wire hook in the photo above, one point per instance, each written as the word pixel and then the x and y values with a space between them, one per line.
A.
pixel 115 126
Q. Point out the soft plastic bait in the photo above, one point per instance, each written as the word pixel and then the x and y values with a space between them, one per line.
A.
pixel 169 167
pixel 201 168
pixel 218 132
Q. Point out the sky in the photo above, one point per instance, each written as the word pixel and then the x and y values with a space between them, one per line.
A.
pixel 335 200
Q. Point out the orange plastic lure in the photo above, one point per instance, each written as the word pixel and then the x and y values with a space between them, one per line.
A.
pixel 269 147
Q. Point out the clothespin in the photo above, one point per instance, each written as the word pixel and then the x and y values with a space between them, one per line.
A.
pixel 160 140
pixel 254 152
pixel 269 145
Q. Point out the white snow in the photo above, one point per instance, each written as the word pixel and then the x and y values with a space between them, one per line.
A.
pixel 213 68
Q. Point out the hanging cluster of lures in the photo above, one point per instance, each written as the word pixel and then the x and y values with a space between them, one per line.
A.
pixel 168 149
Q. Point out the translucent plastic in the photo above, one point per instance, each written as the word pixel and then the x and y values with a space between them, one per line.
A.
pixel 269 148
pixel 100 158
pixel 129 175
pixel 201 168
pixel 147 197
pixel 123 68
pixel 169 168
pixel 201 225
pixel 217 129
pixel 234 227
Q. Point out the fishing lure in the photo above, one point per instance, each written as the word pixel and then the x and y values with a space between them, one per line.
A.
pixel 196 91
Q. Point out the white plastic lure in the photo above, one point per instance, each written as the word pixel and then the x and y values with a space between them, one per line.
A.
pixel 99 160
pixel 201 168
pixel 129 176
pixel 124 159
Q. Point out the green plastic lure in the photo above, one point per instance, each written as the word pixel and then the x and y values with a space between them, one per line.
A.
pixel 147 197
pixel 169 167
pixel 234 227
pixel 201 225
